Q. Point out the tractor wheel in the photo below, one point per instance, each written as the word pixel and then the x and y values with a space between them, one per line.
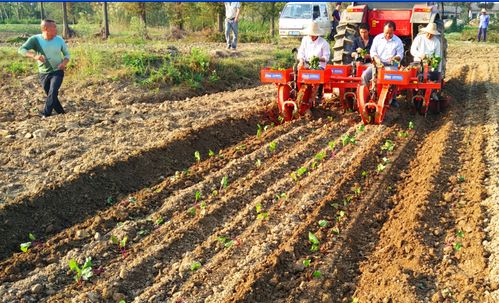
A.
pixel 343 45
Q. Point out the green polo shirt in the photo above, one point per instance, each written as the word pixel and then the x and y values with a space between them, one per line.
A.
pixel 53 50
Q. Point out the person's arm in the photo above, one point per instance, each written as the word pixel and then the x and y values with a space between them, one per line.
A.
pixel 65 52
pixel 326 52
pixel 30 49
pixel 399 51
pixel 373 52
pixel 238 10
pixel 415 48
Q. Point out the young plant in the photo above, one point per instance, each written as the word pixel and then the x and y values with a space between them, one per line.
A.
pixel 211 153
pixel 258 163
pixel 197 155
pixel 197 196
pixel 314 241
pixel 346 139
pixel 259 130
pixel 192 211
pixel 224 182
pixel 340 215
pixel 306 262
pixel 301 171
pixel 403 134
pixel 460 234
pixel 226 241
pixel 294 176
pixel 260 214
pixel 457 246
pixel 380 168
pixel 110 200
pixel 411 125
pixel 322 223
pixel 316 274
pixel 26 245
pixel 159 221
pixel 272 146
pixel 361 128
pixel 84 273
pixel 332 144
pixel 320 156
pixel 121 244
pixel 460 179
pixel 356 190
pixel 335 230
pixel 195 266
pixel 364 173
pixel 388 146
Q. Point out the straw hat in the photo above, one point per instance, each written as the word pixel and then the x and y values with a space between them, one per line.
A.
pixel 484 10
pixel 431 28
pixel 313 30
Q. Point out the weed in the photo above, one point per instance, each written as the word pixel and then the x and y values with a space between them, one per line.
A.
pixel 364 173
pixel 159 221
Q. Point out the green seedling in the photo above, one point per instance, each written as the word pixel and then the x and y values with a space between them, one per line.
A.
pixel 322 223
pixel 241 147
pixel 300 138
pixel 258 163
pixel 267 127
pixel 211 153
pixel 411 125
pixel 316 274
pixel 361 128
pixel 331 144
pixel 143 232
pixel 403 134
pixel 272 146
pixel 214 193
pixel 460 179
pixel 122 301
pixel 259 130
pixel 260 214
pixel 356 190
pixel 121 244
pixel 388 146
pixel 347 200
pixel 385 160
pixel 26 245
pixel 159 221
pixel 313 165
pixel 340 215
pixel 281 196
pixel 195 266
pixel 110 200
pixel 330 118
pixel 192 211
pixel 294 176
pixel 306 262
pixel 280 119
pixel 226 241
pixel 345 139
pixel 320 156
pixel 202 205
pixel 364 173
pixel 458 246
pixel 460 234
pixel 335 205
pixel 197 196
pixel 301 171
pixel 132 200
pixel 84 273
pixel 354 300
pixel 335 230
pixel 197 155
pixel 224 182
pixel 380 168
pixel 314 241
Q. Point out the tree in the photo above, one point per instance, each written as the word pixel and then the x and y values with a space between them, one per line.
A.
pixel 105 30
pixel 66 31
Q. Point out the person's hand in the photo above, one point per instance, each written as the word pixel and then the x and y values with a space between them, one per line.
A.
pixel 377 60
pixel 236 19
pixel 367 56
pixel 61 66
pixel 40 58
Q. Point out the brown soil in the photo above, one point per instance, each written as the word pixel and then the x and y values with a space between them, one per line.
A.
pixel 419 230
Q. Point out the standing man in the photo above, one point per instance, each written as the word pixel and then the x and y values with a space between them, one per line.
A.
pixel 47 49
pixel 484 24
pixel 232 10
pixel 336 20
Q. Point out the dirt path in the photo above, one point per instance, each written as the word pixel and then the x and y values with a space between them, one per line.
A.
pixel 403 214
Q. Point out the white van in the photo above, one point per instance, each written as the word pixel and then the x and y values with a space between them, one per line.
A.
pixel 296 16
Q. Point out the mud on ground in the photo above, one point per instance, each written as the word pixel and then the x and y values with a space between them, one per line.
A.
pixel 418 223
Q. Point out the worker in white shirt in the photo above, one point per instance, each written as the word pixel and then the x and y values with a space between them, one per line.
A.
pixel 312 45
pixel 427 44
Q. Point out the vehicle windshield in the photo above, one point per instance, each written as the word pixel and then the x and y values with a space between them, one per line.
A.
pixel 389 5
pixel 297 11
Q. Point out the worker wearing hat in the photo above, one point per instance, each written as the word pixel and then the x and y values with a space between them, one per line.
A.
pixel 484 24
pixel 313 45
pixel 427 44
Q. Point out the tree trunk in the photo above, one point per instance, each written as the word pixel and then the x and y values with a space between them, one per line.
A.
pixel 66 31
pixel 105 33
pixel 221 22
pixel 272 21
pixel 143 12
pixel 42 11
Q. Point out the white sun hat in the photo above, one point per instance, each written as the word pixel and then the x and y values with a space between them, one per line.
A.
pixel 431 28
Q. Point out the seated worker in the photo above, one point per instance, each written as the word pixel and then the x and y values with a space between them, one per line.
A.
pixel 312 45
pixel 427 44
pixel 363 41
pixel 385 50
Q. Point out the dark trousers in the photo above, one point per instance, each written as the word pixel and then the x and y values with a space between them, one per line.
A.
pixel 482 31
pixel 51 83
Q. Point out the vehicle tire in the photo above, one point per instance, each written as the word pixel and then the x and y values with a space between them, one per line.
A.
pixel 343 45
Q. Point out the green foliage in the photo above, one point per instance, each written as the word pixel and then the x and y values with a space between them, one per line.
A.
pixel 314 241
pixel 195 266
pixel 388 146
pixel 272 146
pixel 83 273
